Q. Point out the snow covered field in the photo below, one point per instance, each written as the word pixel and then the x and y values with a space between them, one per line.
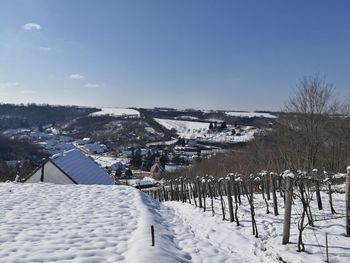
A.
pixel 107 161
pixel 250 114
pixel 75 223
pixel 200 131
pixel 116 112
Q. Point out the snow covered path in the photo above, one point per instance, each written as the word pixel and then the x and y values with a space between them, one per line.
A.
pixel 206 238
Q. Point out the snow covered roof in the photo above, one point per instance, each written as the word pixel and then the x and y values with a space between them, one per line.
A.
pixel 95 148
pixel 81 168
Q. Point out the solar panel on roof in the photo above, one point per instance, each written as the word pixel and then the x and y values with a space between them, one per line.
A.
pixel 81 168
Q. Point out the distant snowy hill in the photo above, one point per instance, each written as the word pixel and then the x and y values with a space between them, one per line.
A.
pixel 244 114
pixel 116 112
pixel 201 132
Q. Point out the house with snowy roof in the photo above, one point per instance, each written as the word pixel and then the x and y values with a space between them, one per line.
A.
pixel 70 167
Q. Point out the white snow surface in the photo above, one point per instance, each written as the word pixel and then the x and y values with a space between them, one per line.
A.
pixel 142 182
pixel 116 112
pixel 250 114
pixel 201 132
pixel 107 161
pixel 208 238
pixel 80 223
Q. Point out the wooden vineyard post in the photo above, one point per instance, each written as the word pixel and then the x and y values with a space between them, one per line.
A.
pixel 235 189
pixel 274 196
pixel 171 191
pixel 238 187
pixel 183 198
pixel 199 192
pixel 251 186
pixel 348 202
pixel 188 191
pixel 267 188
pixel 165 194
pixel 318 194
pixel 327 254
pixel 287 210
pixel 211 196
pixel 193 193
pixel 229 198
pixel 204 193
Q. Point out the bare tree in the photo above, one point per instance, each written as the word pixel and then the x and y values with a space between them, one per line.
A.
pixel 310 109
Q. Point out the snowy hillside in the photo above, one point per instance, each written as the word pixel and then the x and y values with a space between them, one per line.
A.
pixel 201 132
pixel 116 112
pixel 74 223
pixel 250 114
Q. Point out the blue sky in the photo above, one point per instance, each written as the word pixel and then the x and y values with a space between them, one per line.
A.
pixel 239 55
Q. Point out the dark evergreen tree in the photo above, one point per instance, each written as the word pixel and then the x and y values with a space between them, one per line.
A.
pixel 136 159
pixel 128 173
pixel 223 125
pixel 164 159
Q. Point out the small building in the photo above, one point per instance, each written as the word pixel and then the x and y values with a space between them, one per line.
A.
pixel 95 148
pixel 70 167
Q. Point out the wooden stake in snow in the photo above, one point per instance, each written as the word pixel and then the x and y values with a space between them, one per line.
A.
pixel 267 186
pixel 274 196
pixel 199 192
pixel 183 198
pixel 318 193
pixel 172 191
pixel 287 210
pixel 348 202
pixel 152 234
pixel 229 198
pixel 42 171
pixel 327 254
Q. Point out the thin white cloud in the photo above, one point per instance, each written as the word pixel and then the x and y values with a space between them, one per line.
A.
pixel 45 48
pixel 8 84
pixel 28 91
pixel 31 26
pixel 76 76
pixel 91 85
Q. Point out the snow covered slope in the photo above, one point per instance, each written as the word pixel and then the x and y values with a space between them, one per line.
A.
pixel 116 112
pixel 245 114
pixel 78 223
pixel 208 238
pixel 201 132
